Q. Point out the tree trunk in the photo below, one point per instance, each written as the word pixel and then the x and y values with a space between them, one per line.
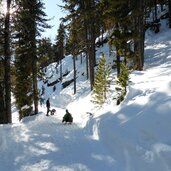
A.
pixel 81 61
pixel 118 62
pixel 74 65
pixel 139 44
pixel 91 60
pixel 93 39
pixel 61 49
pixel 87 49
pixel 87 71
pixel 7 77
pixel 35 88
pixel 2 104
pixel 155 12
pixel 169 2
pixel 34 61
pixel 60 64
pixel 90 39
pixel 92 56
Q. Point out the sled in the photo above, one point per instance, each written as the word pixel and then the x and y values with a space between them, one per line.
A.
pixel 52 112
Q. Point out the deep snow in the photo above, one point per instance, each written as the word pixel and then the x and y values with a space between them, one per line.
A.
pixel 134 136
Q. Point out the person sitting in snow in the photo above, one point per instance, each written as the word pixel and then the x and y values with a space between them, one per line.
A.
pixel 67 117
pixel 48 106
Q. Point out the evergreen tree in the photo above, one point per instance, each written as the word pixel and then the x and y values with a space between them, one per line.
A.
pixel 125 20
pixel 29 23
pixel 74 45
pixel 60 44
pixel 140 32
pixel 5 59
pixel 101 83
pixel 122 81
pixel 86 15
pixel 45 53
pixel 118 21
pixel 23 84
pixel 7 65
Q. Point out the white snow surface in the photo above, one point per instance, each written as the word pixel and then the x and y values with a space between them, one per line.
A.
pixel 135 136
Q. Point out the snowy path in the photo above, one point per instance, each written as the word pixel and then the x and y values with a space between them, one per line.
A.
pixel 42 143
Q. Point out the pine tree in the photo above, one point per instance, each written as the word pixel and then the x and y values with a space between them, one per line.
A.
pixel 60 44
pixel 30 21
pixel 23 84
pixel 45 52
pixel 125 20
pixel 101 83
pixel 86 15
pixel 118 19
pixel 139 31
pixel 122 82
pixel 74 45
pixel 7 64
pixel 5 58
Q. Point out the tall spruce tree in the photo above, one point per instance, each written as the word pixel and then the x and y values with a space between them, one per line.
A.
pixel 101 83
pixel 60 45
pixel 7 65
pixel 30 22
pixel 74 45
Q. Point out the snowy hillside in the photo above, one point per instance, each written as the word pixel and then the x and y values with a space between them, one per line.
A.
pixel 134 136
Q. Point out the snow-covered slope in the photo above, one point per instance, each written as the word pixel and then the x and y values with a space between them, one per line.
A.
pixel 134 136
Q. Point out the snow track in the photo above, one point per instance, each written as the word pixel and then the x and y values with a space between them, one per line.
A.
pixel 42 143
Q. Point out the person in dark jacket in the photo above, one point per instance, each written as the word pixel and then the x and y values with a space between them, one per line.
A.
pixel 48 106
pixel 67 117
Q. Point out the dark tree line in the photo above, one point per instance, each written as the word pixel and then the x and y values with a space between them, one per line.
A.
pixel 20 32
pixel 125 19
pixel 28 23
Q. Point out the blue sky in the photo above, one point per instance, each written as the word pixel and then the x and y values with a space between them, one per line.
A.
pixel 55 12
